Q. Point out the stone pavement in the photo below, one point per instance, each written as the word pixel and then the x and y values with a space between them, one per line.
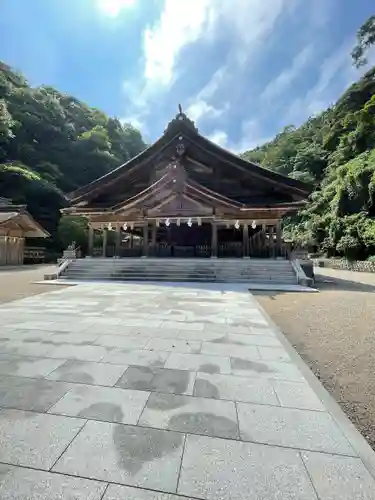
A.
pixel 157 392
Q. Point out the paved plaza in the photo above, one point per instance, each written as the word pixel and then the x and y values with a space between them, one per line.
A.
pixel 164 392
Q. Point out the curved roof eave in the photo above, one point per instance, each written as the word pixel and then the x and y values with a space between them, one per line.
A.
pixel 258 169
pixel 78 193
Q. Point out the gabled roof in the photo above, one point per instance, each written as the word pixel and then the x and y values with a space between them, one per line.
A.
pixel 182 138
pixel 16 216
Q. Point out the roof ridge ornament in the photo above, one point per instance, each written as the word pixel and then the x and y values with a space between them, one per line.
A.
pixel 181 118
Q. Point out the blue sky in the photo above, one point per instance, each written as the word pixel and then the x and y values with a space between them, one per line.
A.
pixel 242 69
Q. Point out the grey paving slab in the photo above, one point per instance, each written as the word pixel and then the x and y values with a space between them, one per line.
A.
pixel 134 456
pixel 278 370
pixel 309 430
pixel 104 320
pixel 339 478
pixel 161 333
pixel 235 388
pixel 128 342
pixel 102 403
pixel 173 381
pixel 158 380
pixel 23 366
pixel 200 335
pixel 273 353
pixel 191 414
pixel 233 350
pixel 35 439
pixel 240 330
pixel 83 352
pixel 73 338
pixel 137 357
pixel 254 321
pixel 199 362
pixel 87 372
pixel 34 325
pixel 297 395
pixel 182 325
pixel 116 492
pixel 228 470
pixel 137 377
pixel 174 345
pixel 18 483
pixel 29 394
pixel 24 348
pixel 244 340
pixel 25 335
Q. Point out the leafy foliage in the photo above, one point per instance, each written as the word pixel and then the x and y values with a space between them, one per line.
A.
pixel 52 143
pixel 336 152
pixel 365 38
pixel 73 228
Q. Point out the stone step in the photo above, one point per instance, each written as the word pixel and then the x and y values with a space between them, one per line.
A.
pixel 210 270
pixel 179 279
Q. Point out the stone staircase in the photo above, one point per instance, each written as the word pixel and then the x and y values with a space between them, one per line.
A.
pixel 209 270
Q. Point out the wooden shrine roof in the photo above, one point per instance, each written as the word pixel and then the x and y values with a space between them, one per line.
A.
pixel 210 171
pixel 17 217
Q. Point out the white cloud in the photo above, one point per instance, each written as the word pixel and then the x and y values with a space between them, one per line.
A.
pixel 335 74
pixel 219 137
pixel 200 108
pixel 181 23
pixel 282 82
pixel 135 122
pixel 114 7
pixel 251 136
pixel 185 22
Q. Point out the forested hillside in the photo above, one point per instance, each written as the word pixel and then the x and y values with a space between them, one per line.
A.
pixel 335 151
pixel 51 143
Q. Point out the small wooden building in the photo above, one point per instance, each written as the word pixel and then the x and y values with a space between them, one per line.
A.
pixel 184 196
pixel 16 224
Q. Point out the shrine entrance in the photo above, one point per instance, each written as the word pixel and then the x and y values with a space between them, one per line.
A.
pixel 187 239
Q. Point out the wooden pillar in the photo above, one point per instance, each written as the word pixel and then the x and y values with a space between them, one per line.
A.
pixel 90 249
pixel 118 241
pixel 214 240
pixel 153 234
pixel 105 237
pixel 271 233
pixel 278 239
pixel 245 241
pixel 145 240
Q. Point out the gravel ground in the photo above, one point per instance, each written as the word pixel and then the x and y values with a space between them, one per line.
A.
pixel 334 332
pixel 16 283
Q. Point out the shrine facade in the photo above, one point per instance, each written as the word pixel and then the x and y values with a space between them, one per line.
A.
pixel 184 196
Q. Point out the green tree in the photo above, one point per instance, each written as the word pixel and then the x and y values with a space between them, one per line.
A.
pixel 51 143
pixel 73 228
pixel 365 38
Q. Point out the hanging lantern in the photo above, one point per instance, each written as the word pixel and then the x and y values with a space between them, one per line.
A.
pixel 167 222
pixel 132 226
pixel 109 227
pixel 125 226
pixel 199 221
pixel 189 222
pixel 237 224
pixel 178 222
pixel 254 224
pixel 157 222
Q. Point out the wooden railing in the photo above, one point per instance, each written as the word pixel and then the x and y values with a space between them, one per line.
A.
pixel 263 245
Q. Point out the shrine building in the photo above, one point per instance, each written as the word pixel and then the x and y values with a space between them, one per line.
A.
pixel 185 196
